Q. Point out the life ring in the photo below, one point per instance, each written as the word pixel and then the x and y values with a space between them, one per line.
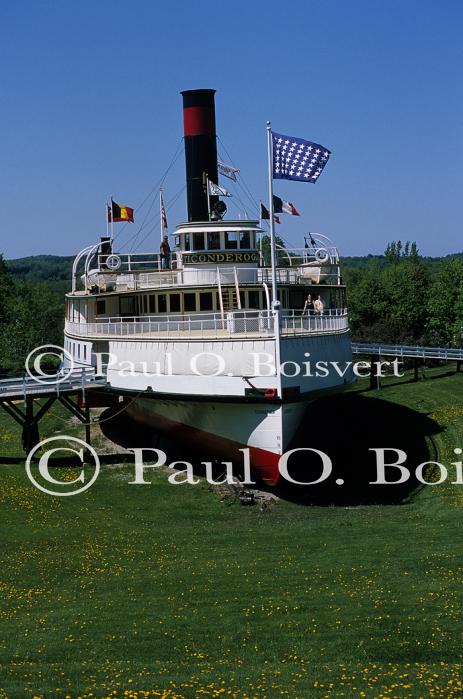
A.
pixel 113 262
pixel 322 255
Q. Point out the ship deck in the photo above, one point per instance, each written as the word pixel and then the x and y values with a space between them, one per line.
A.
pixel 239 325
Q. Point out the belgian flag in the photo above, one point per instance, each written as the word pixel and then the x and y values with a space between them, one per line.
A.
pixel 117 213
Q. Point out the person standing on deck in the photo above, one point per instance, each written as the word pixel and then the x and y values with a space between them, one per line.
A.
pixel 165 253
pixel 308 306
pixel 319 306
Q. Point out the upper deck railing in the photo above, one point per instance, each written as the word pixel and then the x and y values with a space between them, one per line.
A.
pixel 251 324
pixel 148 269
pixel 134 262
pixel 210 276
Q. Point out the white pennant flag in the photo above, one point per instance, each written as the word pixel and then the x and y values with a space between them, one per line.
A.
pixel 227 170
pixel 216 191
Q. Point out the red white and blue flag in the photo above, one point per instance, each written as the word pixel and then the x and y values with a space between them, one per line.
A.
pixel 163 214
pixel 284 207
pixel 297 159
pixel 265 214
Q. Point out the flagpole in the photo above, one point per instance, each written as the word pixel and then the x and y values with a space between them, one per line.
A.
pixel 112 222
pixel 275 303
pixel 260 234
pixel 208 197
pixel 160 214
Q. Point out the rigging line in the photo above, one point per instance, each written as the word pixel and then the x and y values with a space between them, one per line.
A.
pixel 157 185
pixel 153 218
pixel 156 225
pixel 98 421
pixel 250 194
pixel 243 205
pixel 151 230
pixel 142 225
pixel 174 160
pixel 172 201
pixel 146 222
pixel 241 209
pixel 254 205
pixel 133 239
pixel 237 182
pixel 247 210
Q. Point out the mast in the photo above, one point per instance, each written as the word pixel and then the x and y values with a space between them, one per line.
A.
pixel 161 217
pixel 275 302
pixel 208 194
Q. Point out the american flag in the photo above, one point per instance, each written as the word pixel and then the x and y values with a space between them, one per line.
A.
pixel 297 159
pixel 163 214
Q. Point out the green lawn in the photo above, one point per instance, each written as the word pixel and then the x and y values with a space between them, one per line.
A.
pixel 166 591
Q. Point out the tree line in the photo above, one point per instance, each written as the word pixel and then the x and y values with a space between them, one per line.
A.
pixel 406 299
pixel 31 314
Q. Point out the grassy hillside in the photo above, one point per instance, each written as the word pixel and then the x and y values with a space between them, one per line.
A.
pixel 168 591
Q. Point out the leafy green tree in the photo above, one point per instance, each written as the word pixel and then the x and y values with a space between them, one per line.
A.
pixel 389 303
pixel 6 288
pixel 406 288
pixel 445 304
pixel 366 301
pixel 36 317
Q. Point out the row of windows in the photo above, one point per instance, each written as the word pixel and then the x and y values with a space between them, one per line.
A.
pixel 76 349
pixel 177 303
pixel 75 309
pixel 215 240
pixel 187 302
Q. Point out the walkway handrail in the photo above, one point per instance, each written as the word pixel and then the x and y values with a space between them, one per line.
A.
pixel 411 351
pixel 20 386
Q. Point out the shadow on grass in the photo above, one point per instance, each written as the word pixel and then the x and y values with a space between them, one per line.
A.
pixel 345 427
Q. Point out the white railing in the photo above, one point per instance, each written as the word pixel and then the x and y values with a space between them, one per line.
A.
pixel 64 380
pixel 212 276
pixel 136 262
pixel 318 250
pixel 213 325
pixel 330 321
pixel 198 325
pixel 321 253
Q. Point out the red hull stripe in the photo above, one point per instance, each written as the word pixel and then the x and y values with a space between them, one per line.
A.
pixel 198 121
pixel 265 463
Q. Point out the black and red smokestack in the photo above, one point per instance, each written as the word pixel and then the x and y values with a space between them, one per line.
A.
pixel 200 149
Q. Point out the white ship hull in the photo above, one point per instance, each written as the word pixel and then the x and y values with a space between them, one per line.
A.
pixel 219 413
pixel 222 429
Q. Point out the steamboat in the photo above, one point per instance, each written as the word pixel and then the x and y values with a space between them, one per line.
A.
pixel 203 337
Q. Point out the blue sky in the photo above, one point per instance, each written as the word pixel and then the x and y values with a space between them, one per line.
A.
pixel 91 107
